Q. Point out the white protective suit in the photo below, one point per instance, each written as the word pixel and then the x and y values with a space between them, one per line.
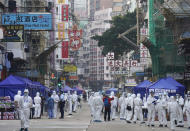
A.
pixel 25 104
pixel 75 101
pixel 122 106
pixel 56 101
pixel 70 102
pixel 161 108
pixel 17 101
pixel 113 106
pixel 97 107
pixel 173 111
pixel 151 110
pixel 186 110
pixel 138 109
pixel 90 100
pixel 37 102
pixel 129 104
pixel 180 121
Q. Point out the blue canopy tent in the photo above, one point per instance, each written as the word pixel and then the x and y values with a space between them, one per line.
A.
pixel 67 88
pixel 111 89
pixel 162 85
pixel 11 85
pixel 79 91
pixel 141 87
pixel 174 82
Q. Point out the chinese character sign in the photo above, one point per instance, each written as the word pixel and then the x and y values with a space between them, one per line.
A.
pixel 61 31
pixel 118 63
pixel 75 36
pixel 110 56
pixel 65 12
pixel 30 21
pixel 65 49
pixel 61 1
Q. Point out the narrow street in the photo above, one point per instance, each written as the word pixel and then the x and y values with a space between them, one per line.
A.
pixel 80 121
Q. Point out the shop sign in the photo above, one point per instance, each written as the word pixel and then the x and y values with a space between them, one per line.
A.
pixel 13 33
pixel 31 21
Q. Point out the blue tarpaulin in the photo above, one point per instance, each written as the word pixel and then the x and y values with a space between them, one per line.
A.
pixel 110 90
pixel 141 88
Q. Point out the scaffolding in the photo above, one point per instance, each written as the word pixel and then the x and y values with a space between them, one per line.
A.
pixel 163 37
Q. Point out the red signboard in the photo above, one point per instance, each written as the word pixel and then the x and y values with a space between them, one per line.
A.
pixel 75 36
pixel 65 49
pixel 65 12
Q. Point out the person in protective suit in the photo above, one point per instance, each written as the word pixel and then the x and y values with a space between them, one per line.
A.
pixel 37 102
pixel 25 104
pixel 161 107
pixel 75 101
pixel 122 106
pixel 186 110
pixel 113 106
pixel 97 105
pixel 138 109
pixel 151 103
pixel 180 101
pixel 173 111
pixel 17 107
pixel 90 103
pixel 129 107
pixel 56 101
pixel 70 102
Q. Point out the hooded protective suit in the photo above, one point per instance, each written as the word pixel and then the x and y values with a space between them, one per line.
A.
pixel 122 106
pixel 97 107
pixel 25 104
pixel 151 101
pixel 129 107
pixel 173 111
pixel 161 108
pixel 113 105
pixel 180 101
pixel 90 100
pixel 37 102
pixel 186 110
pixel 17 107
pixel 75 101
pixel 70 102
pixel 56 100
pixel 138 108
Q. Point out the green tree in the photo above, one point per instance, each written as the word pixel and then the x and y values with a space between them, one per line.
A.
pixel 109 39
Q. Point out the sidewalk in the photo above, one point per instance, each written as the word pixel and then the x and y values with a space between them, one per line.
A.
pixel 77 122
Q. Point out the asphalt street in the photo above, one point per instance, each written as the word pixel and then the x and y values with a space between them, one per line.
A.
pixel 80 121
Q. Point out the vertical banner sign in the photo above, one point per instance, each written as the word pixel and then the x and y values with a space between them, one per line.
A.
pixel 65 49
pixel 61 31
pixel 61 1
pixel 75 36
pixel 65 12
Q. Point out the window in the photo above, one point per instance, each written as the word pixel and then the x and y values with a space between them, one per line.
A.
pixel 107 67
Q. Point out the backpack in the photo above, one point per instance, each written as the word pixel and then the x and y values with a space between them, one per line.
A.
pixel 106 102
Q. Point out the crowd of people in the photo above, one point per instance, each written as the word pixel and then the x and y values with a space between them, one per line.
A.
pixel 133 107
pixel 24 106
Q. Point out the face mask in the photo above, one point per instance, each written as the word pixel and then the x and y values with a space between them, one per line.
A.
pixel 25 94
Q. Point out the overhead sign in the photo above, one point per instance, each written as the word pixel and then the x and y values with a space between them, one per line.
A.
pixel 13 33
pixel 30 21
pixel 65 12
pixel 70 68
pixel 75 36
